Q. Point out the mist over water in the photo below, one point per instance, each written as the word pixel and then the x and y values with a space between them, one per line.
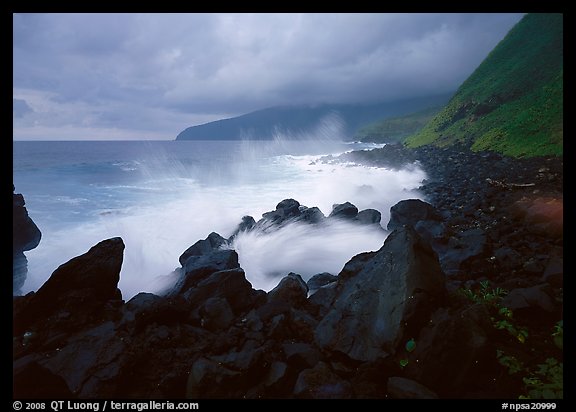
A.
pixel 162 197
pixel 303 249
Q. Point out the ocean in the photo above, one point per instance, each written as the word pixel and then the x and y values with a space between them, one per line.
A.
pixel 163 196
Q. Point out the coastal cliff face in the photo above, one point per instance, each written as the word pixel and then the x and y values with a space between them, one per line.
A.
pixel 25 236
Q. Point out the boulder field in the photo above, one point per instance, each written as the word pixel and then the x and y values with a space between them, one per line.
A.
pixel 404 321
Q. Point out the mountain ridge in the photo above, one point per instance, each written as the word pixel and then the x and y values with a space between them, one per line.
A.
pixel 298 121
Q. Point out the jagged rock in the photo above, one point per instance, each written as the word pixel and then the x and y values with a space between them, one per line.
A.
pixel 452 350
pixel 554 272
pixel 468 245
pixel 525 298
pixel 19 272
pixel 319 280
pixel 278 327
pixel 249 356
pixel 534 266
pixel 322 299
pixel 228 284
pixel 301 355
pixel 288 208
pixel 302 325
pixel 276 373
pixel 344 211
pixel 369 217
pixel 432 231
pixel 321 383
pixel 25 236
pixel 311 215
pixel 253 321
pixel 89 362
pixel 246 225
pixel 370 378
pixel 370 309
pixel 146 308
pixel 202 260
pixel 208 379
pixel 410 212
pixel 81 287
pixel 204 247
pixel 402 388
pixel 33 381
pixel 285 210
pixel 271 309
pixel 507 258
pixel 291 289
pixel 216 314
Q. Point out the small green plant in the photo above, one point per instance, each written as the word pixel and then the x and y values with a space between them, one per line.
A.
pixel 485 294
pixel 511 362
pixel 547 382
pixel 505 322
pixel 543 381
pixel 492 297
pixel 410 345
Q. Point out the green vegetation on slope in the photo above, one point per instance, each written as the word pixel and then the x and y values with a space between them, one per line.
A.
pixel 513 102
pixel 396 129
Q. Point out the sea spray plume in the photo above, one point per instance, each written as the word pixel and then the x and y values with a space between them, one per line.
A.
pixel 303 249
pixel 329 127
pixel 295 238
pixel 166 209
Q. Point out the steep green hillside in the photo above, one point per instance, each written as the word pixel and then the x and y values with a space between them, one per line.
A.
pixel 396 129
pixel 513 102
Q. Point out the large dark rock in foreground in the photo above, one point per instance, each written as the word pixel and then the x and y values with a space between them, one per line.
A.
pixel 66 331
pixel 77 291
pixel 379 295
pixel 25 236
pixel 453 353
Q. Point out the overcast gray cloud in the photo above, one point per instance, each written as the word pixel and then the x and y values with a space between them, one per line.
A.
pixel 128 76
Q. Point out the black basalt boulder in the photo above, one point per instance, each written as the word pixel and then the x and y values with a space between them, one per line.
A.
pixel 25 236
pixel 78 290
pixel 380 296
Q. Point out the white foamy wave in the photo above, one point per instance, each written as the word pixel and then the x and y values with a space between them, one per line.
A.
pixel 176 209
pixel 303 249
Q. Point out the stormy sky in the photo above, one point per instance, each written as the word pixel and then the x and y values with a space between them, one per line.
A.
pixel 149 76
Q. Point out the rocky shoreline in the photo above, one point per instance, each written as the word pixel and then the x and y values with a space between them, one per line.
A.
pixel 419 318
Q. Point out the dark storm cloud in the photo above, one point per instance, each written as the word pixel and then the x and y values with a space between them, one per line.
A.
pixel 158 73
